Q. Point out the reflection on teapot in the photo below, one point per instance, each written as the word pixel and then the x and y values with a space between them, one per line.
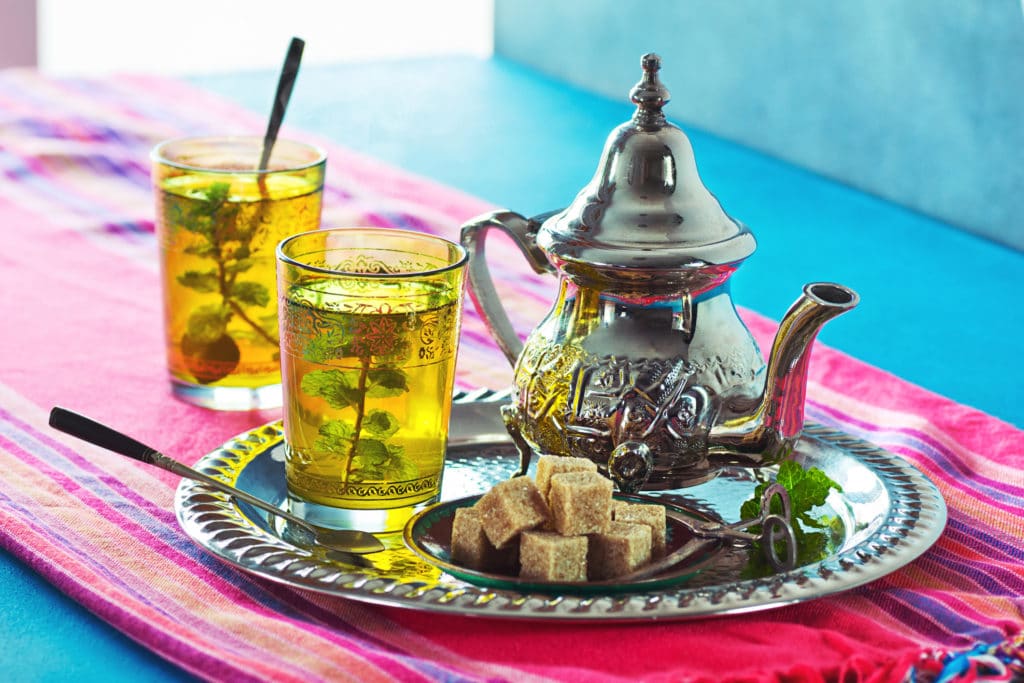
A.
pixel 642 364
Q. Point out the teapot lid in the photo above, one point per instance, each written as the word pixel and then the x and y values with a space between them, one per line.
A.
pixel 646 207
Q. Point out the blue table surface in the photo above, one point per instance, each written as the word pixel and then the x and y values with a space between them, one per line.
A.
pixel 939 306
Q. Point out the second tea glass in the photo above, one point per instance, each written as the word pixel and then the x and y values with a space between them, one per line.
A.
pixel 370 321
pixel 219 218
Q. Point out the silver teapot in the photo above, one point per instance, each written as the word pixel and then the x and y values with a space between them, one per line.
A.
pixel 642 364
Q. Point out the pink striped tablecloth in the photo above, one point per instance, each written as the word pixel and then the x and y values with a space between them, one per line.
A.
pixel 82 328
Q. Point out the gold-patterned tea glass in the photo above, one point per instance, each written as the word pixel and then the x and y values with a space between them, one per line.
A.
pixel 218 220
pixel 370 322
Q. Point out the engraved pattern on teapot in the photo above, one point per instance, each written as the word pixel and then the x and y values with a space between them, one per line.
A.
pixel 574 403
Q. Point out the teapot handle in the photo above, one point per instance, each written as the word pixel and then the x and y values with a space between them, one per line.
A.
pixel 523 232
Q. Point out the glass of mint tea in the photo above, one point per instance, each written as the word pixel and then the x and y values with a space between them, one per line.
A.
pixel 369 321
pixel 219 218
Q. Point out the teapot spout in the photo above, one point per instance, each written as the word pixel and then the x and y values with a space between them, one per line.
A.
pixel 768 434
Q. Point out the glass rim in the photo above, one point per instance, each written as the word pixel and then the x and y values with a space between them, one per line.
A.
pixel 454 265
pixel 157 154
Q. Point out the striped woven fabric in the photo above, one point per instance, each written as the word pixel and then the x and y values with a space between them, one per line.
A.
pixel 82 328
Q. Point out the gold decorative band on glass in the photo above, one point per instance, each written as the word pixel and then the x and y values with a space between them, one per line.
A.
pixel 369 321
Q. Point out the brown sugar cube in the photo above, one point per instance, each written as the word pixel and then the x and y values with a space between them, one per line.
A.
pixel 581 503
pixel 620 549
pixel 618 505
pixel 642 513
pixel 547 556
pixel 471 548
pixel 511 507
pixel 550 465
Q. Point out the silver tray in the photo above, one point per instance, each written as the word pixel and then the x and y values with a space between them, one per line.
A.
pixel 890 515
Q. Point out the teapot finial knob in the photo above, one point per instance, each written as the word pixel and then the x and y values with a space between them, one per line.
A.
pixel 649 95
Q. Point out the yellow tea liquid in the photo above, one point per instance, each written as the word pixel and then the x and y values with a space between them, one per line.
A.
pixel 217 237
pixel 368 369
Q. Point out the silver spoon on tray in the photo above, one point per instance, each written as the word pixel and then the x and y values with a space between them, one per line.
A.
pixel 298 530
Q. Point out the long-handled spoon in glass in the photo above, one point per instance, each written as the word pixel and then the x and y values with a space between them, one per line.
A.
pixel 303 533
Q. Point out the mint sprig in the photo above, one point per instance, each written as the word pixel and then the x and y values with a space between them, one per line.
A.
pixel 226 242
pixel 815 533
pixel 363 442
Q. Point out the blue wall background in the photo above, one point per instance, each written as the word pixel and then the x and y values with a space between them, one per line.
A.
pixel 918 101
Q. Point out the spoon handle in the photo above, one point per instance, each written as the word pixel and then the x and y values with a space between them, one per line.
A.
pixel 101 435
pixel 285 83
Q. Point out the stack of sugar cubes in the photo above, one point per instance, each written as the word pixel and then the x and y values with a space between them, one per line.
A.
pixel 565 527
